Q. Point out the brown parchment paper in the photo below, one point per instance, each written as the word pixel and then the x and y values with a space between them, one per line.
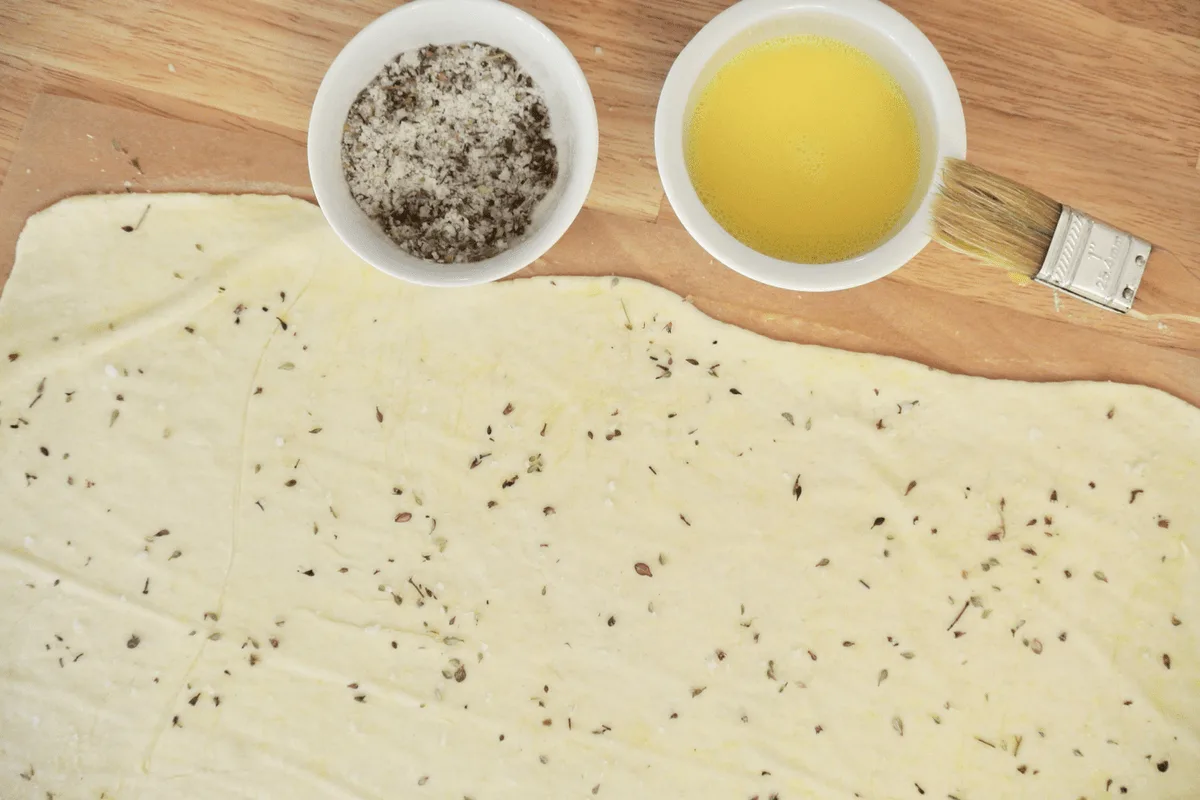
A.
pixel 936 310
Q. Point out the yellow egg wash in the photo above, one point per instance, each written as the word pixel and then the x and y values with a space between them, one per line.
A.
pixel 805 149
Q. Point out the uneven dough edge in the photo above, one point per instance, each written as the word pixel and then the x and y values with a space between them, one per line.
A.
pixel 747 540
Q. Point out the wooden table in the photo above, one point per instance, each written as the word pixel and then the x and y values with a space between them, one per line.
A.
pixel 1095 102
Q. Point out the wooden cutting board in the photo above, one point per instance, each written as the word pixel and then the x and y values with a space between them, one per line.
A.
pixel 1095 102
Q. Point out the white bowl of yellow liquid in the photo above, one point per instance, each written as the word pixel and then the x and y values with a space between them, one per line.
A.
pixel 799 140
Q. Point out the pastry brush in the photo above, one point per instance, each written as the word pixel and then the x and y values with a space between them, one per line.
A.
pixel 1032 236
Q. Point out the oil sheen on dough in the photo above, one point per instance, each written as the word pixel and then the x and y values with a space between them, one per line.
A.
pixel 276 525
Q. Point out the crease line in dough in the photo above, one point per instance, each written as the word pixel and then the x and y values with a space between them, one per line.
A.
pixel 93 592
pixel 161 727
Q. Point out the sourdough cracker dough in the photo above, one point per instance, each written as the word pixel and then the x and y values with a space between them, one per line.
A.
pixel 275 525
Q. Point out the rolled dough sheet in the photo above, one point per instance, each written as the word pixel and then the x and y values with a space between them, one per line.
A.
pixel 275 525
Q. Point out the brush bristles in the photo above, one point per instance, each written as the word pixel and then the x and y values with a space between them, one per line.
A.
pixel 983 215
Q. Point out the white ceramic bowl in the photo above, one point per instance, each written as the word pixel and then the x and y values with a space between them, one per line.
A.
pixel 536 49
pixel 870 26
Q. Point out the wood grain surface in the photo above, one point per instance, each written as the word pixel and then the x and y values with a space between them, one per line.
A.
pixel 1094 102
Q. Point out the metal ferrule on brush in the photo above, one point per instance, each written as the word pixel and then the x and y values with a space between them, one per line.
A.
pixel 1094 261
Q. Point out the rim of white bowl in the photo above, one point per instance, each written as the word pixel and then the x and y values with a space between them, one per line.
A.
pixel 332 103
pixel 889 255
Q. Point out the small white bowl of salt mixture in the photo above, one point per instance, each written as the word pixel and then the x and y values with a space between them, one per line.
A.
pixel 453 142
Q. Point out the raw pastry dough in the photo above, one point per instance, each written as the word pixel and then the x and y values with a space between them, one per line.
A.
pixel 276 525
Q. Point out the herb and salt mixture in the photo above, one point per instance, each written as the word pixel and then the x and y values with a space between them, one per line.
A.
pixel 448 149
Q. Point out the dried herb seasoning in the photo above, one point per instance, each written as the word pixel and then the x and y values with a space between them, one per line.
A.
pixel 961 611
pixel 138 224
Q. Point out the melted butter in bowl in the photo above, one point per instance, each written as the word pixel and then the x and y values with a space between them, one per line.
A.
pixel 799 141
pixel 805 149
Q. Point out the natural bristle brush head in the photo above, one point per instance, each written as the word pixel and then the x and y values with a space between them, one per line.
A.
pixel 983 215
